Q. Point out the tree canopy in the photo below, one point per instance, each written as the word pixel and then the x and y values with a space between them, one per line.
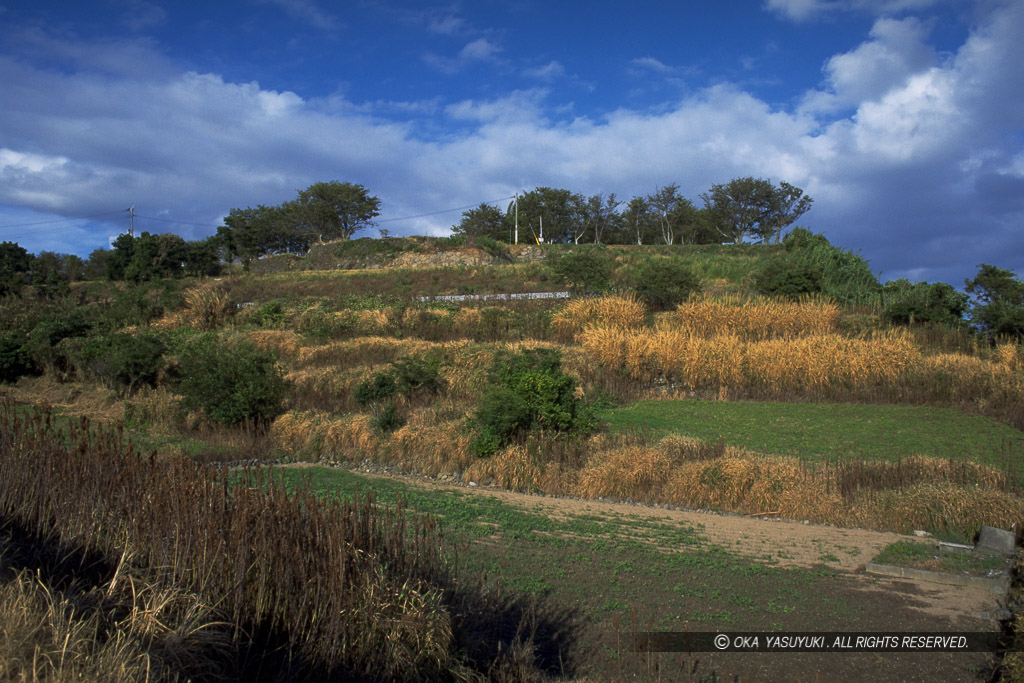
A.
pixel 755 207
pixel 322 211
pixel 999 306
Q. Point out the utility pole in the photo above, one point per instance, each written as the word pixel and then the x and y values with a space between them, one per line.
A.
pixel 517 219
pixel 131 220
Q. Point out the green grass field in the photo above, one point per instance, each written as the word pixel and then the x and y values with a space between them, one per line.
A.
pixel 820 431
pixel 616 571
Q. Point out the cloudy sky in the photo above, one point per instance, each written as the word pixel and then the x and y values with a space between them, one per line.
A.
pixel 903 119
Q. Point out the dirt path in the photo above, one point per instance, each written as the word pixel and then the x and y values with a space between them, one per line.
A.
pixel 782 543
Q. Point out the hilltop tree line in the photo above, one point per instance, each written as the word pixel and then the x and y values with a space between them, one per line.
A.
pixel 743 208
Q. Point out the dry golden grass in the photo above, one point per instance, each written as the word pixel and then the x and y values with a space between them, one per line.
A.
pixel 695 362
pixel 625 311
pixel 940 494
pixel 80 399
pixel 156 408
pixel 372 322
pixel 969 379
pixel 284 344
pixel 936 505
pixel 635 473
pixel 758 318
pixel 319 436
pixel 513 468
pixel 207 306
pixel 430 446
pixel 126 630
pixel 1010 357
pixel 373 351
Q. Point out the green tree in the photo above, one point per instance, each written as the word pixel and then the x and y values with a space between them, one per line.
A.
pixel 639 221
pixel 15 265
pixel 665 208
pixel 332 210
pixel 600 218
pixel 95 266
pixel 755 207
pixel 120 257
pixel 202 257
pixel 923 302
pixel 251 233
pixel 559 211
pixel 998 308
pixel 485 220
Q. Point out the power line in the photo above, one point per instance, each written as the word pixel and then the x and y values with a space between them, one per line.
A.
pixel 210 225
pixel 59 220
pixel 171 220
pixel 435 213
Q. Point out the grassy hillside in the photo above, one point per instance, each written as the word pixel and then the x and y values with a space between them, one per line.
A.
pixel 811 408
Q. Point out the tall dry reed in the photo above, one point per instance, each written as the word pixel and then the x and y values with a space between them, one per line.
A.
pixel 696 362
pixel 753 318
pixel 309 590
pixel 620 311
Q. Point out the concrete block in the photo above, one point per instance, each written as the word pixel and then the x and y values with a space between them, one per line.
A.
pixel 995 541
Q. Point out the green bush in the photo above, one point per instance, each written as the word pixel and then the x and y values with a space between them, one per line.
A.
pixel 405 376
pixel 491 246
pixel 664 283
pixel 232 383
pixel 270 315
pixel 387 419
pixel 586 269
pixel 528 391
pixel 923 302
pixel 843 275
pixel 44 341
pixel 15 361
pixel 123 360
pixel 784 276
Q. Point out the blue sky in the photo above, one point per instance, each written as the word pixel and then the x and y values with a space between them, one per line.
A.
pixel 903 119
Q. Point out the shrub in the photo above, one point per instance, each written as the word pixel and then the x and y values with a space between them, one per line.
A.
pixel 15 361
pixel 405 376
pixel 139 304
pixel 923 302
pixel 843 275
pixel 230 383
pixel 528 391
pixel 784 276
pixel 270 314
pixel 664 283
pixel 43 341
pixel 586 269
pixel 123 360
pixel 388 419
pixel 492 246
